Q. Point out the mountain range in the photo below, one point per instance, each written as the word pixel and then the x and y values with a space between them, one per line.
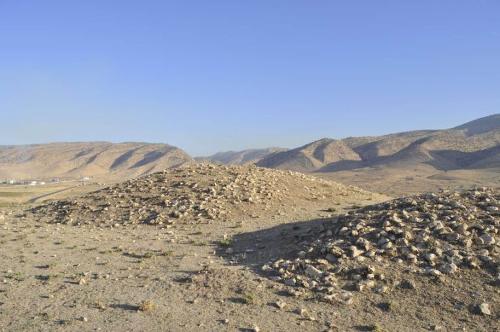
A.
pixel 87 159
pixel 250 156
pixel 473 145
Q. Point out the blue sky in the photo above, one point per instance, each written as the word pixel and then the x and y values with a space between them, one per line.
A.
pixel 217 75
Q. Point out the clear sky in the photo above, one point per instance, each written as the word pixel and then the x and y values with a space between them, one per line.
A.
pixel 217 75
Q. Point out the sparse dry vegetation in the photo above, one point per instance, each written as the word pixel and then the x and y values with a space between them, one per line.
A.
pixel 147 305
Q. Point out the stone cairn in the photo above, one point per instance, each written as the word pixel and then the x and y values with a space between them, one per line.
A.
pixel 435 234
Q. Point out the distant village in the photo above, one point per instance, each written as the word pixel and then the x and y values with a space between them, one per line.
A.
pixel 32 182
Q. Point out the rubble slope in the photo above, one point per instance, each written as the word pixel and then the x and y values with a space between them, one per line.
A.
pixel 199 192
pixel 434 234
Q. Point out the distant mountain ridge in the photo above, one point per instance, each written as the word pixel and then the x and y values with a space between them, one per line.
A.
pixel 472 145
pixel 243 157
pixel 482 125
pixel 87 159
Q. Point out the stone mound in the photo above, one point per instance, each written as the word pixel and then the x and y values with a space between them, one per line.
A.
pixel 198 192
pixel 435 234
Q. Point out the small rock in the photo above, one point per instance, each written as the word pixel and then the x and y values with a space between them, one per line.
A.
pixel 381 289
pixel 255 328
pixel 279 304
pixel 407 284
pixel 304 314
pixel 484 309
pixel 313 272
pixel 386 306
pixel 354 251
pixel 448 268
pixel 488 239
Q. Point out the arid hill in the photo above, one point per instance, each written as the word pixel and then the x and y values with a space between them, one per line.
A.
pixel 92 159
pixel 433 233
pixel 241 157
pixel 469 146
pixel 200 192
pixel 410 249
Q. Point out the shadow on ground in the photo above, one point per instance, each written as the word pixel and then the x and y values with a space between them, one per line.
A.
pixel 126 307
pixel 253 249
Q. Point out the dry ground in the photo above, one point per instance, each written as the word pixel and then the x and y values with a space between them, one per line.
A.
pixel 12 195
pixel 398 182
pixel 43 265
pixel 203 277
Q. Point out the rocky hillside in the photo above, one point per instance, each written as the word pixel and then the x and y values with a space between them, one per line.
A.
pixel 92 159
pixel 432 234
pixel 472 145
pixel 241 157
pixel 482 125
pixel 200 192
pixel 311 156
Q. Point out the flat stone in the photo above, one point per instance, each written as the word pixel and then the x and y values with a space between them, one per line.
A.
pixel 313 272
pixel 484 309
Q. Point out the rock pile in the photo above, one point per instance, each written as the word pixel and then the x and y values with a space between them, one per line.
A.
pixel 435 234
pixel 194 193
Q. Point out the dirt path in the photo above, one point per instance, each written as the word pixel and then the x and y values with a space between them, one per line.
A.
pixel 35 199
